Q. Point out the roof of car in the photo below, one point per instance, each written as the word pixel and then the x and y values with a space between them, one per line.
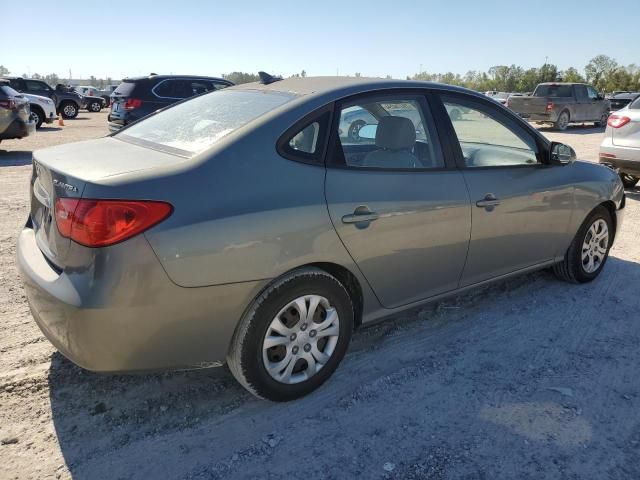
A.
pixel 162 77
pixel 301 86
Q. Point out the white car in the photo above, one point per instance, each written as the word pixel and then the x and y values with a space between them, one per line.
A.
pixel 43 109
pixel 621 144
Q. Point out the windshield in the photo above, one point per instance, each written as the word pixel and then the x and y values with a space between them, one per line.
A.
pixel 553 91
pixel 193 126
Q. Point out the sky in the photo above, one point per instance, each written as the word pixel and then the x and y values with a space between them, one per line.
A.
pixel 322 37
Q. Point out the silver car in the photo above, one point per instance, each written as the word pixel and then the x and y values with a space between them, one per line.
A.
pixel 243 227
pixel 621 144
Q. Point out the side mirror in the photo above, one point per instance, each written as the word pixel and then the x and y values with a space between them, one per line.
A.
pixel 368 132
pixel 561 153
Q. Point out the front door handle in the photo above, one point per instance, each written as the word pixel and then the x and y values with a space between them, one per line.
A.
pixel 361 215
pixel 489 201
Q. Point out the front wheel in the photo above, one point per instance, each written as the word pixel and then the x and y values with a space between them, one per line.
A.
pixel 629 181
pixel 293 337
pixel 37 116
pixel 603 120
pixel 589 249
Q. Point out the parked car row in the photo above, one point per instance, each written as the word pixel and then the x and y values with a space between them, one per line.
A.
pixel 15 114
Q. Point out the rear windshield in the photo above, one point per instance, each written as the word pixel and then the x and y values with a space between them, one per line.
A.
pixel 553 91
pixel 194 125
pixel 635 105
pixel 125 89
pixel 8 91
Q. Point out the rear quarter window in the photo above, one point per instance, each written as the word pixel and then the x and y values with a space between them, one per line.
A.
pixel 125 89
pixel 635 105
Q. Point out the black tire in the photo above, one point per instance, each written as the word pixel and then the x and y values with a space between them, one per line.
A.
pixel 354 130
pixel 603 121
pixel 69 109
pixel 562 124
pixel 37 114
pixel 95 106
pixel 629 181
pixel 245 358
pixel 107 100
pixel 572 269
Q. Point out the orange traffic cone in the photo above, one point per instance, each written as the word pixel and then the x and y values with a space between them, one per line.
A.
pixel 60 121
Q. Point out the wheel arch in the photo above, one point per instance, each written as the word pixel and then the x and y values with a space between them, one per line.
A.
pixel 350 282
pixel 611 208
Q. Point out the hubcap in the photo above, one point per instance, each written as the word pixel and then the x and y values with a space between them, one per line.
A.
pixel 35 117
pixel 95 107
pixel 594 247
pixel 563 121
pixel 301 339
pixel 69 110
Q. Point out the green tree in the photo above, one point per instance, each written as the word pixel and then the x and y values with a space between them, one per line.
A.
pixel 572 75
pixel 4 70
pixel 599 69
pixel 52 79
pixel 240 77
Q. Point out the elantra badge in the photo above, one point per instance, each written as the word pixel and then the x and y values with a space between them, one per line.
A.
pixel 65 186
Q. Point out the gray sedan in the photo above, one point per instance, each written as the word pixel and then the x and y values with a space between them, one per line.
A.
pixel 621 144
pixel 245 227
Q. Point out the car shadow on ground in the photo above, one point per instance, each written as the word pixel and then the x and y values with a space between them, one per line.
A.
pixel 16 158
pixel 48 129
pixel 100 419
pixel 581 129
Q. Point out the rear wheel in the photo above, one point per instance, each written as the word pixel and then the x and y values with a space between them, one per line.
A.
pixel 629 181
pixel 563 121
pixel 95 106
pixel 69 110
pixel 293 337
pixel 589 249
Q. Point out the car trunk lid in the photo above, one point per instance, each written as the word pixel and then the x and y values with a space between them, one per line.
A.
pixel 627 135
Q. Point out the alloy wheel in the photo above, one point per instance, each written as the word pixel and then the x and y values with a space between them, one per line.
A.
pixel 69 110
pixel 594 246
pixel 35 117
pixel 301 339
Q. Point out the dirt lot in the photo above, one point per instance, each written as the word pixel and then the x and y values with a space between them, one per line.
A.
pixel 530 378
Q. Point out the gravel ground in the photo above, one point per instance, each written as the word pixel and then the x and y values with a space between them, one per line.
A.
pixel 529 378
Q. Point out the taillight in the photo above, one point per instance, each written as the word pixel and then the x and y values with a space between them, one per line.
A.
pixel 549 107
pixel 99 223
pixel 132 103
pixel 617 121
pixel 9 104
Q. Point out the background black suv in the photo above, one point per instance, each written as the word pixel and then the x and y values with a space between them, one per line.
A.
pixel 68 102
pixel 138 97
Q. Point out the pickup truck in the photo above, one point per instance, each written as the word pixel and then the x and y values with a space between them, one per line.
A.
pixel 68 102
pixel 561 104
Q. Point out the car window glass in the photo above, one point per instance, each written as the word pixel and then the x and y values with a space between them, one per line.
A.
pixel 306 140
pixel 581 92
pixel 593 95
pixel 635 105
pixel 486 141
pixel 388 132
pixel 36 86
pixel 174 89
pixel 545 90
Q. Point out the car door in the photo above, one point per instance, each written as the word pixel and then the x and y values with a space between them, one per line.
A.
pixel 583 103
pixel 402 212
pixel 521 204
pixel 596 104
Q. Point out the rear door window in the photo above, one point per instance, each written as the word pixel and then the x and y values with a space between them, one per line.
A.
pixel 36 87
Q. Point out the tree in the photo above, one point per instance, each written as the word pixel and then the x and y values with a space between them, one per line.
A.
pixel 52 79
pixel 303 73
pixel 240 77
pixel 598 69
pixel 4 70
pixel 548 73
pixel 358 74
pixel 571 75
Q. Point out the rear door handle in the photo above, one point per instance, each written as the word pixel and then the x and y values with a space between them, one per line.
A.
pixel 489 201
pixel 361 214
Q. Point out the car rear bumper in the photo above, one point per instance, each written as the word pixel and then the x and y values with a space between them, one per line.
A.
pixel 123 314
pixel 539 117
pixel 18 129
pixel 627 159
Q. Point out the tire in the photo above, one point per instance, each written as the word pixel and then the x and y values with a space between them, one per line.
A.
pixel 107 101
pixel 603 121
pixel 563 121
pixel 68 109
pixel 354 130
pixel 37 115
pixel 629 181
pixel 251 360
pixel 95 106
pixel 572 268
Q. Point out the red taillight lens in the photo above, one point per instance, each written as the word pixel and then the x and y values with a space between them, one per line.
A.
pixel 549 106
pixel 8 104
pixel 617 121
pixel 132 103
pixel 99 223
